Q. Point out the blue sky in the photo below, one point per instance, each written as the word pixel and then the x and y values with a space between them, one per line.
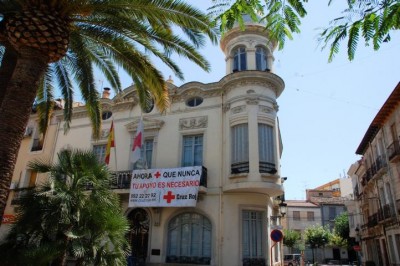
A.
pixel 325 108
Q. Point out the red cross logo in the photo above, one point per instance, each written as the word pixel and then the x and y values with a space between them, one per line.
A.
pixel 169 197
pixel 157 175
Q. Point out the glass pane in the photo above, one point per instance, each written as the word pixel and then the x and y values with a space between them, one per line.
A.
pixel 189 235
pixel 243 63
pixel 252 232
pixel 266 143
pixel 192 151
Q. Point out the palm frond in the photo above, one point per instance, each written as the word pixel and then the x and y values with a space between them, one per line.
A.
pixel 354 33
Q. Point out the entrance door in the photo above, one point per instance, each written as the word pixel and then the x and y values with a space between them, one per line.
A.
pixel 336 253
pixel 138 236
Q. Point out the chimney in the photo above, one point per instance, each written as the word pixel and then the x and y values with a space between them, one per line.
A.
pixel 106 93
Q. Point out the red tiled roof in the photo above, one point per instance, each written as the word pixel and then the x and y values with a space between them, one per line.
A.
pixel 300 203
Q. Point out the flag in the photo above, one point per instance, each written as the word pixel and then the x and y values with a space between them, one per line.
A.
pixel 137 142
pixel 110 143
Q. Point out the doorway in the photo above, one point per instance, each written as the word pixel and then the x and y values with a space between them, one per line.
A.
pixel 138 236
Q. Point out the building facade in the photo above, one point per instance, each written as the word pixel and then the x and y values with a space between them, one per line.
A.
pixel 230 129
pixel 376 182
pixel 300 215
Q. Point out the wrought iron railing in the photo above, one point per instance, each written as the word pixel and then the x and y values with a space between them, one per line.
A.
pixel 242 167
pixel 266 167
pixel 393 150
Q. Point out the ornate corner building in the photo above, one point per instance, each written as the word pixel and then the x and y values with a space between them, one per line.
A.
pixel 228 127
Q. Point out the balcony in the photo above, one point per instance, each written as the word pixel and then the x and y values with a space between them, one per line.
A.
pixel 384 213
pixel 394 151
pixel 377 169
pixel 380 165
pixel 372 220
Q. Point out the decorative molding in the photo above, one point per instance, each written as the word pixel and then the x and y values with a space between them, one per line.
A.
pixel 104 134
pixel 252 100
pixel 184 95
pixel 238 109
pixel 265 109
pixel 148 124
pixel 276 106
pixel 193 123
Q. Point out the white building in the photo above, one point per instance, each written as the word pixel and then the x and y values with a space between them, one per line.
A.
pixel 230 128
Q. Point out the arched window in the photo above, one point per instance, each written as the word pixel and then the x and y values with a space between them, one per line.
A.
pixel 189 239
pixel 261 59
pixel 239 59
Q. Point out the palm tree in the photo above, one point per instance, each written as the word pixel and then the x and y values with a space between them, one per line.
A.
pixel 61 217
pixel 48 43
pixel 281 18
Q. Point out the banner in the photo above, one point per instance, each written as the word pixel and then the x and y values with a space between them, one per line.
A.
pixel 173 187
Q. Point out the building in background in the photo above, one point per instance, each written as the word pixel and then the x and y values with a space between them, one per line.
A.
pixel 229 129
pixel 34 146
pixel 321 207
pixel 300 215
pixel 376 182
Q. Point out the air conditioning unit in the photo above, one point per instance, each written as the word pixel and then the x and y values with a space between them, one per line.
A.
pixel 28 131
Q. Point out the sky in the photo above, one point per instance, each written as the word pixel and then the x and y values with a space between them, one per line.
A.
pixel 325 108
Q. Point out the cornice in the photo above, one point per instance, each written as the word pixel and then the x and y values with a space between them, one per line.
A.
pixel 192 89
pixel 250 29
pixel 252 77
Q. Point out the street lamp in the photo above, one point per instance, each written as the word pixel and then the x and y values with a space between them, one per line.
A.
pixel 282 210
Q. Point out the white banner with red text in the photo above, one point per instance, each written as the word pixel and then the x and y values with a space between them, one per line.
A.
pixel 170 187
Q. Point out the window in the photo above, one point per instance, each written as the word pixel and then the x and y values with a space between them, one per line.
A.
pixel 100 152
pixel 332 213
pixel 240 149
pixel 148 152
pixel 29 180
pixel 261 59
pixel 106 115
pixel 252 238
pixel 193 102
pixel 266 149
pixel 239 59
pixel 296 215
pixel 189 239
pixel 146 155
pixel 310 216
pixel 192 154
pixel 37 144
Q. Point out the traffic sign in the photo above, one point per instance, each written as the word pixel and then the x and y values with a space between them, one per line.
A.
pixel 276 235
pixel 357 248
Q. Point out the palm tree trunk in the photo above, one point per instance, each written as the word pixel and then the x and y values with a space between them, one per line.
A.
pixel 7 67
pixel 15 110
